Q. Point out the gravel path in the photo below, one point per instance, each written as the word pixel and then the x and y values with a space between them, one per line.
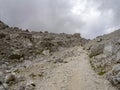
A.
pixel 77 74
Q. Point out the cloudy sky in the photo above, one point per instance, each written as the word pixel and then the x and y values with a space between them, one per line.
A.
pixel 88 17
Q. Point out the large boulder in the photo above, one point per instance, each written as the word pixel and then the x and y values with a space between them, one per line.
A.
pixel 96 50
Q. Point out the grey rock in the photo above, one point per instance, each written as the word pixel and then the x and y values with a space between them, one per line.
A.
pixel 21 78
pixel 108 48
pixel 115 82
pixel 2 25
pixel 2 76
pixel 118 75
pixel 46 52
pixel 118 79
pixel 30 86
pixel 118 57
pixel 4 87
pixel 58 60
pixel 96 50
pixel 15 56
pixel 88 47
pixel 22 87
pixel 77 35
pixel 99 39
pixel 116 69
pixel 2 35
pixel 27 63
pixel 10 78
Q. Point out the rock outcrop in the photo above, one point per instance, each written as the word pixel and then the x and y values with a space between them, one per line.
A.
pixel 104 53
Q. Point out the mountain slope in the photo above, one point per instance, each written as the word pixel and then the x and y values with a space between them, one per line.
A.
pixel 104 52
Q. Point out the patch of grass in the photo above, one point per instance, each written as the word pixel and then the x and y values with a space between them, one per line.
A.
pixel 101 73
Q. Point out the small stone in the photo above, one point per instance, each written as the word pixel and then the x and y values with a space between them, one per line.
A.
pixel 1 76
pixel 10 78
pixel 27 63
pixel 118 79
pixel 4 87
pixel 118 75
pixel 30 86
pixel 115 82
pixel 32 75
pixel 46 52
pixel 21 87
pixel 99 39
pixel 21 78
pixel 116 69
pixel 2 35
pixel 14 56
pixel 58 60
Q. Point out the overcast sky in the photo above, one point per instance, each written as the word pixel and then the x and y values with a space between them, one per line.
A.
pixel 88 17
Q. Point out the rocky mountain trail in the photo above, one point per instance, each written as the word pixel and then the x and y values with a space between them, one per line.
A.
pixel 74 74
pixel 48 61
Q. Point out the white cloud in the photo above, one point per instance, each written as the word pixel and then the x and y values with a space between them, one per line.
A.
pixel 89 17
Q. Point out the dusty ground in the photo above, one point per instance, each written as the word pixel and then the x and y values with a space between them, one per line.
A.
pixel 76 74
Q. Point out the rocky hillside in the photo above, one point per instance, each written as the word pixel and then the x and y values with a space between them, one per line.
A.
pixel 27 58
pixel 17 45
pixel 104 53
pixel 20 49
